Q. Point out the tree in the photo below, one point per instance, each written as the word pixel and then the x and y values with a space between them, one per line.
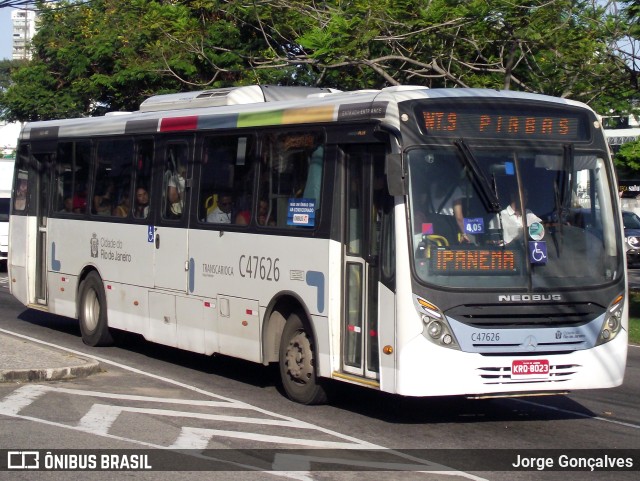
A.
pixel 89 56
pixel 627 160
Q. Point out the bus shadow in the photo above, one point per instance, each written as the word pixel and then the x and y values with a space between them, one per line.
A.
pixel 219 365
pixel 393 409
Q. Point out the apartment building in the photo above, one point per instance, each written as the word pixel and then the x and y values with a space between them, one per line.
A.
pixel 24 28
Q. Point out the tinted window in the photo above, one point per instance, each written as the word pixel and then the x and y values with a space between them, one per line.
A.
pixel 226 183
pixel 291 179
pixel 4 209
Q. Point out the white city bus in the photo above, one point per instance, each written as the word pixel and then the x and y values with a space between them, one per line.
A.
pixel 369 237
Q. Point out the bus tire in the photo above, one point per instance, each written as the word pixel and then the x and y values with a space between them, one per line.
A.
pixel 298 364
pixel 93 312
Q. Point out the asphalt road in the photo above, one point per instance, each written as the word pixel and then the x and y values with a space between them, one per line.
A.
pixel 152 397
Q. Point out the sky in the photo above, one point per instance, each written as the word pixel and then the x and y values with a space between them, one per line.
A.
pixel 6 33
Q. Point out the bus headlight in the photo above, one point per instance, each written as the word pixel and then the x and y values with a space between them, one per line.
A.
pixel 436 328
pixel 612 321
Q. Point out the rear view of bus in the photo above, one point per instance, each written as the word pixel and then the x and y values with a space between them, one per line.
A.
pixel 516 261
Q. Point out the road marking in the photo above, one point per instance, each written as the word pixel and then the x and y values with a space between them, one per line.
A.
pixel 21 398
pixel 102 416
pixel 28 393
pixel 198 438
pixel 575 413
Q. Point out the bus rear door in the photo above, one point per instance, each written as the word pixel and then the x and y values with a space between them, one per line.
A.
pixel 171 236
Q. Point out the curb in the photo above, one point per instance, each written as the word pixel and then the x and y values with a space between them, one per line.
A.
pixel 50 374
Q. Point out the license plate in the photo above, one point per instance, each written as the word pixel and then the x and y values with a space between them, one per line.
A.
pixel 530 369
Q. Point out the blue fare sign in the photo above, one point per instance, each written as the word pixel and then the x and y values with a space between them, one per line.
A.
pixel 474 226
pixel 301 212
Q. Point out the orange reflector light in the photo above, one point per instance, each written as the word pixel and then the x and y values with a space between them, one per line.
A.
pixel 387 350
pixel 426 304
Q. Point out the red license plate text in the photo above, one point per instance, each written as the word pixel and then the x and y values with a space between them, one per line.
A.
pixel 529 369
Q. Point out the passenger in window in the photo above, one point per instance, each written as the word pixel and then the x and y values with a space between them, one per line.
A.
pixel 141 210
pixel 264 217
pixel 102 199
pixel 175 192
pixel 222 213
pixel 21 195
pixel 122 209
pixel 68 204
pixel 447 200
pixel 510 218
pixel 243 217
pixel 80 203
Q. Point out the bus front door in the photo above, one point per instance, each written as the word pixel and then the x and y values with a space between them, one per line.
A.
pixel 364 184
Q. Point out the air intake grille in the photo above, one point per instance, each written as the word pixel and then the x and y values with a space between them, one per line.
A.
pixel 529 314
pixel 502 375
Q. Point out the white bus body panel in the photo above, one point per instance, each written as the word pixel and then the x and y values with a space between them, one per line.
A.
pixel 387 337
pixel 427 370
pixel 246 272
pixel 22 257
pixel 194 309
pixel 170 271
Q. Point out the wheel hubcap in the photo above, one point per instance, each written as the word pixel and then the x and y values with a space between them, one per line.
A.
pixel 299 358
pixel 91 310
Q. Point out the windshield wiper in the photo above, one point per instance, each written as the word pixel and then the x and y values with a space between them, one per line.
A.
pixel 487 194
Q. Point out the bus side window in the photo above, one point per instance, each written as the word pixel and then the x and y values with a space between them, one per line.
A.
pixel 291 178
pixel 111 190
pixel 71 177
pixel 226 180
pixel 174 180
pixel 21 187
pixel 142 178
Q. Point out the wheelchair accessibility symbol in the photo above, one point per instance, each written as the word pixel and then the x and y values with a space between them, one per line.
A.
pixel 538 252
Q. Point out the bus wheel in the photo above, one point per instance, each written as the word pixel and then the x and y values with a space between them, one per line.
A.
pixel 297 364
pixel 93 312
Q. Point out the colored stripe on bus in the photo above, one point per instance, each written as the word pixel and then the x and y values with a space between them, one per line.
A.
pixel 224 121
pixel 141 126
pixel 172 124
pixel 255 119
pixel 306 115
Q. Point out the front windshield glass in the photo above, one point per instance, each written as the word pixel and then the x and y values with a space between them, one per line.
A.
pixel 466 206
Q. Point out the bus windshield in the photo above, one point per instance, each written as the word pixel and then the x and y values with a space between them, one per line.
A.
pixel 467 204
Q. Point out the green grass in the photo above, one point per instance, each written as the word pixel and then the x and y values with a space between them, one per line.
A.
pixel 634 317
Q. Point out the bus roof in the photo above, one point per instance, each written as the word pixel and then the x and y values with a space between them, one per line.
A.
pixel 254 106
